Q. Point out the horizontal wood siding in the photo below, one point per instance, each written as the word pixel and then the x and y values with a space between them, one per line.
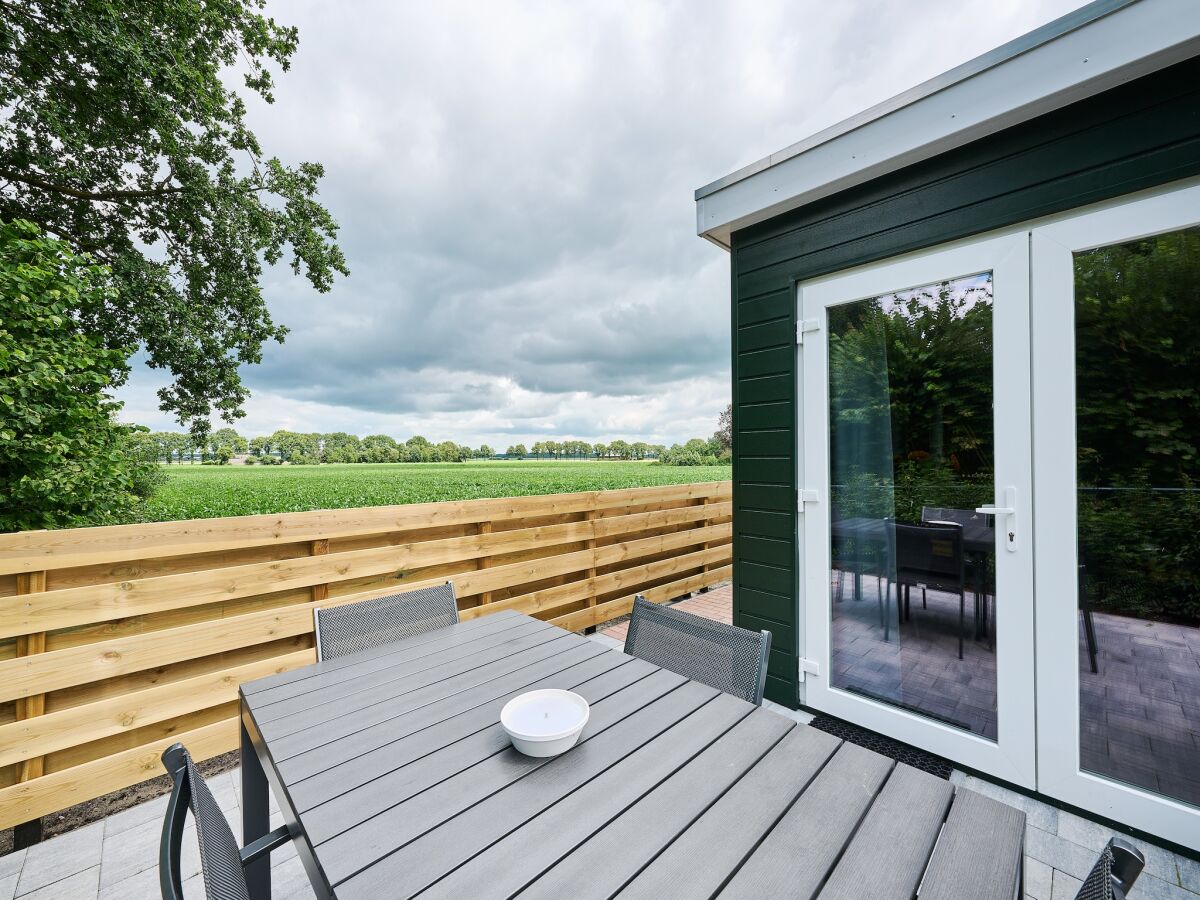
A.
pixel 115 642
pixel 1133 137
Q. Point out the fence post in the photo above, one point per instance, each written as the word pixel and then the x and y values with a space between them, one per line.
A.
pixel 704 524
pixel 484 561
pixel 29 833
pixel 590 516
pixel 319 548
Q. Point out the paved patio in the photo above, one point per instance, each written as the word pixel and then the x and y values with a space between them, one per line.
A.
pixel 116 859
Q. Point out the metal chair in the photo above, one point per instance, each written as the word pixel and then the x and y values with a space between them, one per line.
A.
pixel 731 659
pixel 341 630
pixel 929 556
pixel 1114 873
pixel 222 862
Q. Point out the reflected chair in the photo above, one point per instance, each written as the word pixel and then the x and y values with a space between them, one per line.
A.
pixel 1114 873
pixel 1085 613
pixel 341 630
pixel 930 557
pixel 731 659
pixel 976 563
pixel 222 862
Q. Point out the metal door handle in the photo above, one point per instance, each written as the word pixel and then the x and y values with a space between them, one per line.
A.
pixel 1008 513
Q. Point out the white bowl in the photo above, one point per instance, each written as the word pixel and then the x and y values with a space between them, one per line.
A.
pixel 544 723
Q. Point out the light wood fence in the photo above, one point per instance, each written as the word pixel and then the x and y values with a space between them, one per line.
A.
pixel 115 642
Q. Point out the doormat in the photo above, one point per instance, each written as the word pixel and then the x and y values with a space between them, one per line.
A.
pixel 885 746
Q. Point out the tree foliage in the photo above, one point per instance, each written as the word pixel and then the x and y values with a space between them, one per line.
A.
pixel 63 458
pixel 123 136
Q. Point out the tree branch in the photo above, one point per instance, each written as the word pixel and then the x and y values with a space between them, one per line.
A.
pixel 35 181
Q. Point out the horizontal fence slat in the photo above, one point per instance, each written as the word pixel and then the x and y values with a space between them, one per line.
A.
pixel 22 740
pixel 29 551
pixel 72 607
pixel 58 790
pixel 195 603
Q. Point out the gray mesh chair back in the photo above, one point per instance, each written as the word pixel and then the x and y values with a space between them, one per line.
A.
pixel 731 659
pixel 341 630
pixel 220 857
pixel 1114 873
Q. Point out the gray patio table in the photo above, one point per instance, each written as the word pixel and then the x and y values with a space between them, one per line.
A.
pixel 393 772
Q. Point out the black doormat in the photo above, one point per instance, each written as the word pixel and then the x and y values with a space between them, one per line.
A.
pixel 905 753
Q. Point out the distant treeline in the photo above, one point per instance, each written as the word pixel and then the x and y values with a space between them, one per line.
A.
pixel 311 448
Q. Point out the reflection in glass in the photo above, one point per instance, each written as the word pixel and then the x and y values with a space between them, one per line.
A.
pixel 1137 372
pixel 911 457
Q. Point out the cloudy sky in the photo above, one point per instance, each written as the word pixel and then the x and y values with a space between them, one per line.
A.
pixel 514 184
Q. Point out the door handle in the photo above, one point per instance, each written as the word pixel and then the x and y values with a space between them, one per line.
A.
pixel 1009 514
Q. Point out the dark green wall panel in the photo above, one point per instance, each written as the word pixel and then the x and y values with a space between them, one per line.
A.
pixel 1136 136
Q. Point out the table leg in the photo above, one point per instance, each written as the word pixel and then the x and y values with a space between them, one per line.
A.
pixel 256 817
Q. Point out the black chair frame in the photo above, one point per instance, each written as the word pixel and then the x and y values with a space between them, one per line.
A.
pixel 178 765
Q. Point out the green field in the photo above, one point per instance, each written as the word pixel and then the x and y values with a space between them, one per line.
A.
pixel 201 492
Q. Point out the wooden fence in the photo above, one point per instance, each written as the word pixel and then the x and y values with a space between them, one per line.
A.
pixel 115 642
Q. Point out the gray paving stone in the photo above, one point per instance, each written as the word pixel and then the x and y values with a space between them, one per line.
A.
pixel 131 851
pixel 61 857
pixel 136 815
pixel 1064 886
pixel 1037 814
pixel 611 643
pixel 10 863
pixel 289 881
pixel 142 886
pixel 1038 877
pixel 1147 887
pixel 1189 873
pixel 1060 854
pixel 8 886
pixel 80 886
pixel 1159 862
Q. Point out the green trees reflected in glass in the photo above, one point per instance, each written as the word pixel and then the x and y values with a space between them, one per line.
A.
pixel 1137 382
pixel 910 388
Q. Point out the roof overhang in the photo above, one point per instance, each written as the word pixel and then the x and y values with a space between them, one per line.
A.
pixel 1097 47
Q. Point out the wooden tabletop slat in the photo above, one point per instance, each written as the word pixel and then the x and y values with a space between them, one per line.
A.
pixel 712 848
pixel 979 851
pixel 891 848
pixel 381 658
pixel 598 868
pixel 417 865
pixel 404 783
pixel 552 834
pixel 799 853
pixel 402 676
pixel 398 779
pixel 413 646
pixel 322 774
pixel 294 735
pixel 368 843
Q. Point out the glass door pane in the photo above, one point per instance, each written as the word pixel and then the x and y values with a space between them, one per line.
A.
pixel 1137 424
pixel 912 456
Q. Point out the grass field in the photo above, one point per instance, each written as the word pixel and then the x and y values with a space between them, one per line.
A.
pixel 202 492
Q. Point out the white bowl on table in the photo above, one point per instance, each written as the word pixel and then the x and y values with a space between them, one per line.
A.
pixel 546 722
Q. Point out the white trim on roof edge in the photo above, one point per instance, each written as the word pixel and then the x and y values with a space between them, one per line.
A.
pixel 1102 45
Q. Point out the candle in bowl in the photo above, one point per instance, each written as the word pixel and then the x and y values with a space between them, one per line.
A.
pixel 544 723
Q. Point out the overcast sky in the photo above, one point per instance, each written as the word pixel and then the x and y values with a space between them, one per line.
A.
pixel 514 184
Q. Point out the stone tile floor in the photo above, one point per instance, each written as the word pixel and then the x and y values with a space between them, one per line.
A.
pixel 117 859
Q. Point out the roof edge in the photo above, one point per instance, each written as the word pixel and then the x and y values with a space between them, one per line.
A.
pixel 1051 31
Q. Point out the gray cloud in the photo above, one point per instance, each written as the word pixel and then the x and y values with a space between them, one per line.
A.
pixel 514 184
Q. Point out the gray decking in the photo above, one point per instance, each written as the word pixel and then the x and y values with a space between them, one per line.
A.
pixel 398 780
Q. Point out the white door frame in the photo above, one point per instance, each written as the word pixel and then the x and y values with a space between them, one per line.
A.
pixel 1054 464
pixel 1006 255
